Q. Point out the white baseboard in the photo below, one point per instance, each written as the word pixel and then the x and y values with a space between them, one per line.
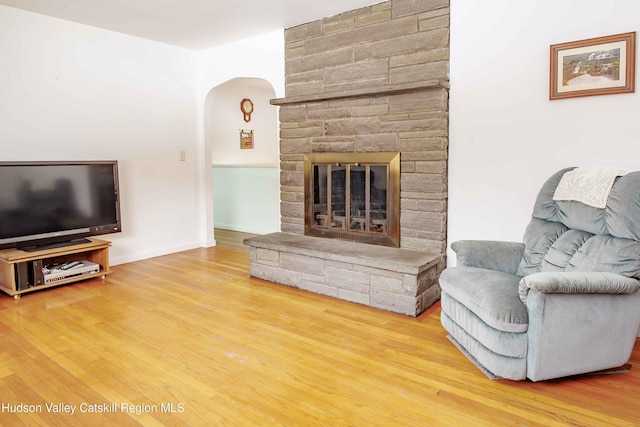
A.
pixel 245 229
pixel 138 256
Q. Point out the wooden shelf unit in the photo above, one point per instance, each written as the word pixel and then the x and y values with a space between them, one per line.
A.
pixel 95 250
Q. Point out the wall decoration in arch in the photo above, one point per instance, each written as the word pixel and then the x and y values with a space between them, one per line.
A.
pixel 246 139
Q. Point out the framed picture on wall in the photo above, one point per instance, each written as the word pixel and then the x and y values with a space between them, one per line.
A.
pixel 246 139
pixel 597 66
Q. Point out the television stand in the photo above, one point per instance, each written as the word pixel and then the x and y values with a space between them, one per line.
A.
pixel 19 268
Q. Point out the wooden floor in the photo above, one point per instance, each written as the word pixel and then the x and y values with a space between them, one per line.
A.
pixel 231 239
pixel 192 333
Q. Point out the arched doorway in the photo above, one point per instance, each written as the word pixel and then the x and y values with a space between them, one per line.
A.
pixel 245 177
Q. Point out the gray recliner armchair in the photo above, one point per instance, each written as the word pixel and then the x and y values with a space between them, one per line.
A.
pixel 563 302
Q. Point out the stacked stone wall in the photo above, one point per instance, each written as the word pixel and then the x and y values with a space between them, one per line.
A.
pixel 372 79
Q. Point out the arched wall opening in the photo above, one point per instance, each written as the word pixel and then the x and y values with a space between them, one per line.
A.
pixel 245 177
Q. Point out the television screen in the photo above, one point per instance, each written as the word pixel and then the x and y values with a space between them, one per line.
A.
pixel 57 202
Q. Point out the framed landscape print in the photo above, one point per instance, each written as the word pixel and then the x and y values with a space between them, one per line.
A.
pixel 598 66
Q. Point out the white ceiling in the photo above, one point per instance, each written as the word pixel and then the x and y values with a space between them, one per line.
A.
pixel 193 24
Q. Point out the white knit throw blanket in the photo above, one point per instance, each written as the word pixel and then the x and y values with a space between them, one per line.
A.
pixel 589 185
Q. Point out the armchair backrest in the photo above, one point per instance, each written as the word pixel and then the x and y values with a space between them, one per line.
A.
pixel 572 236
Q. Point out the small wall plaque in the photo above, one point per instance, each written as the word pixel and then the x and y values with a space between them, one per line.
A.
pixel 246 139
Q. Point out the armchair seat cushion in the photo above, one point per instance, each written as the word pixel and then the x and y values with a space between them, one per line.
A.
pixel 491 295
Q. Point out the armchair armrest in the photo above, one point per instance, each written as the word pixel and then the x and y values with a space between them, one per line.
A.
pixel 489 254
pixel 577 282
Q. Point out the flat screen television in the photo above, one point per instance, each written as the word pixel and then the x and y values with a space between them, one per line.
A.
pixel 49 204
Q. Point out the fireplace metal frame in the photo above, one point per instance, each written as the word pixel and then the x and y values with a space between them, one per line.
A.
pixel 390 159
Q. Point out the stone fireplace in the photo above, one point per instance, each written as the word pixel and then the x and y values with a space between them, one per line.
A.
pixel 361 86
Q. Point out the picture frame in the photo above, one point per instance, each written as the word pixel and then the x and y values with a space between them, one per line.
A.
pixel 596 66
pixel 246 139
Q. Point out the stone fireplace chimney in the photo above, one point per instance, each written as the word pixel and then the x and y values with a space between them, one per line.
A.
pixel 372 80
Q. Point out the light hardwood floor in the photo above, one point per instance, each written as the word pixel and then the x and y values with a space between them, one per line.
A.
pixel 231 239
pixel 194 333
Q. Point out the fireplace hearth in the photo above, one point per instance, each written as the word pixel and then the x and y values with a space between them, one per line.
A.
pixel 353 196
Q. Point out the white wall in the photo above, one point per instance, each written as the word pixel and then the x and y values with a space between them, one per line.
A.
pixel 506 136
pixel 259 57
pixel 74 92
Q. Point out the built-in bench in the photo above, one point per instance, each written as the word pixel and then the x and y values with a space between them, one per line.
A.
pixel 394 279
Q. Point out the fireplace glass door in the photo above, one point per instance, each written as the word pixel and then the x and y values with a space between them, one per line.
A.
pixel 350 200
pixel 354 198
